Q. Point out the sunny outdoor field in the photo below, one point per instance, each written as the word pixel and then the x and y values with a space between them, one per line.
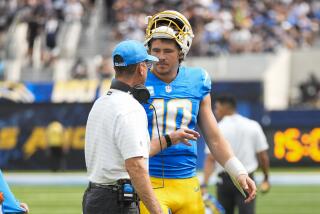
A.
pixel 67 199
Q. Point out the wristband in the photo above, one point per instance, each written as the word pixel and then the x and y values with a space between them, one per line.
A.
pixel 234 167
pixel 204 185
pixel 168 140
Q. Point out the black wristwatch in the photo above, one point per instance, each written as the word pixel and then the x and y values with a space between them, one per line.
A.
pixel 168 140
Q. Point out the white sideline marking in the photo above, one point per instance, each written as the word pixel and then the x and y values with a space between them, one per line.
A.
pixel 302 178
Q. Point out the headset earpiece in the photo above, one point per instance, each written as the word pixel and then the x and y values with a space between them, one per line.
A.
pixel 139 92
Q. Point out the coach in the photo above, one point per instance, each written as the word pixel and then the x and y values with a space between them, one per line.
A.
pixel 117 139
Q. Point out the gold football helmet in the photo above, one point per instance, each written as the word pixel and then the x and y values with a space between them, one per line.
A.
pixel 170 24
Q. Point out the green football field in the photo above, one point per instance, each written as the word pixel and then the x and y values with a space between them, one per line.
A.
pixel 67 199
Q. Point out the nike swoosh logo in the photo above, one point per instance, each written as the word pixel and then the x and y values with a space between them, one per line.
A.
pixel 196 189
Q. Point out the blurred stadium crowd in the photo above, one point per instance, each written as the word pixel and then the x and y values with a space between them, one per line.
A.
pixel 44 19
pixel 236 26
pixel 42 16
pixel 45 40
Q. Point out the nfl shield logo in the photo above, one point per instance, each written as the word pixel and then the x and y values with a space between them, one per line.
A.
pixel 168 89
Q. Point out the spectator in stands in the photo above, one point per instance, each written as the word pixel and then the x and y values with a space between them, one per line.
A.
pixel 51 32
pixel 79 69
pixel 3 22
pixel 36 21
pixel 51 29
pixel 110 15
pixel 73 11
pixel 58 6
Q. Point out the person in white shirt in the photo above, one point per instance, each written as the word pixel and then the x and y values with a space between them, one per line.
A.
pixel 249 145
pixel 117 142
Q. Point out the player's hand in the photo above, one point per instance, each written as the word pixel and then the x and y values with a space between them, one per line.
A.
pixel 264 186
pixel 25 207
pixel 249 186
pixel 204 189
pixel 183 135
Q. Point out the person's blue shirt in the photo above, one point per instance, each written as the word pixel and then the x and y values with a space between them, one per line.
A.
pixel 10 204
pixel 177 105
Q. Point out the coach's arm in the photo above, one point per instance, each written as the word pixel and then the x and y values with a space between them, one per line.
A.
pixel 137 169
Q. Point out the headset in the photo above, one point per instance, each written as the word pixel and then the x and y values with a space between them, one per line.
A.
pixel 139 92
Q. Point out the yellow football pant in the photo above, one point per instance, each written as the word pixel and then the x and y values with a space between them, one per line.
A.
pixel 181 196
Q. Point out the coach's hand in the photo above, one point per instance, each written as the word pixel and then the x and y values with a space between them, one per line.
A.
pixel 249 186
pixel 183 135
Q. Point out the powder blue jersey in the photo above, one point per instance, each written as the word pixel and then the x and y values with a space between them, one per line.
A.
pixel 177 106
pixel 10 204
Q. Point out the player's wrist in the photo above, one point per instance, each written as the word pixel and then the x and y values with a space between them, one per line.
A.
pixel 204 185
pixel 234 167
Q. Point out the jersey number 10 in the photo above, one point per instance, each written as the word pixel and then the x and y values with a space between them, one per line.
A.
pixel 172 114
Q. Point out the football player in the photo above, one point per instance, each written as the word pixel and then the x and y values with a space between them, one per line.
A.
pixel 181 96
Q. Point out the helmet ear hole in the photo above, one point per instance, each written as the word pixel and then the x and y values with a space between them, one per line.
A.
pixel 181 55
